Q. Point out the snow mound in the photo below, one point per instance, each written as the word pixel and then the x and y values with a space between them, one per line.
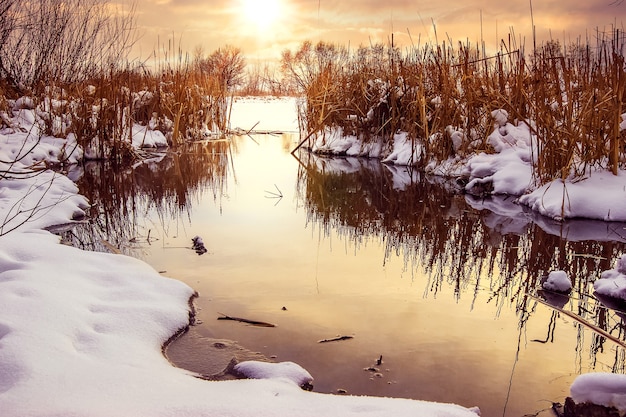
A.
pixel 600 388
pixel 267 370
pixel 403 153
pixel 602 196
pixel 500 117
pixel 612 283
pixel 509 170
pixel 144 137
pixel 557 281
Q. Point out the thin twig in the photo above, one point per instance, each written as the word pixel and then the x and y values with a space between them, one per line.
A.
pixel 247 321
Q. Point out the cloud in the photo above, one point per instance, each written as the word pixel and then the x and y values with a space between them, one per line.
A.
pixel 213 24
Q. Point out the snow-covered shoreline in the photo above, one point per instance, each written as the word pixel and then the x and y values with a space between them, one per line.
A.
pixel 81 333
pixel 599 195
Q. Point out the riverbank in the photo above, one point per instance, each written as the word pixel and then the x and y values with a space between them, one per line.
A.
pixel 66 331
pixel 82 332
pixel 507 170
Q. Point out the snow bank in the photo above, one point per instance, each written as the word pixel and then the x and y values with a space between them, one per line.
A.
pixel 508 170
pixel 22 139
pixel 600 196
pixel 600 388
pixel 612 283
pixel 403 153
pixel 76 323
pixel 21 203
pixel 265 370
pixel 81 333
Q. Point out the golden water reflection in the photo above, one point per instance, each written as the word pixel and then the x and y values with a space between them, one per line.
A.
pixel 445 287
pixel 163 187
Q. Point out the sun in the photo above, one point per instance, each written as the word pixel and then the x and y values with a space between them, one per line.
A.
pixel 261 13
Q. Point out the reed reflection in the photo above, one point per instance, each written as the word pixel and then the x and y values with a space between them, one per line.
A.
pixel 471 245
pixel 163 187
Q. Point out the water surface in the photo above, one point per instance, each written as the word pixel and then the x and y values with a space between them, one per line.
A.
pixel 444 287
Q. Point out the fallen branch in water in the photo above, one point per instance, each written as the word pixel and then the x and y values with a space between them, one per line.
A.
pixel 271 194
pixel 582 321
pixel 252 128
pixel 336 339
pixel 252 322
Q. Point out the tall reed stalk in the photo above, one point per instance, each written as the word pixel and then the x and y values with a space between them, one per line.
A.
pixel 178 99
pixel 572 97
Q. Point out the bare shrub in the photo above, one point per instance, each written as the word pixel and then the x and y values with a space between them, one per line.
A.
pixel 227 65
pixel 265 79
pixel 62 41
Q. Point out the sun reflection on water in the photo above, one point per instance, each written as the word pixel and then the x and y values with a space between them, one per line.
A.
pixel 444 287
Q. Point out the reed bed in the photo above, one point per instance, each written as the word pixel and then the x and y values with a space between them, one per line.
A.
pixel 69 62
pixel 571 96
pixel 185 99
pixel 183 103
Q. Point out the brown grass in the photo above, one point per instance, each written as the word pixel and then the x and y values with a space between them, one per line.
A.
pixel 181 102
pixel 573 97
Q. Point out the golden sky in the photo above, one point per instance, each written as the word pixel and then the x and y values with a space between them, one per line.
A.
pixel 263 28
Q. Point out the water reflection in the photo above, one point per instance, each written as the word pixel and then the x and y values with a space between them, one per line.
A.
pixel 162 188
pixel 470 244
pixel 469 325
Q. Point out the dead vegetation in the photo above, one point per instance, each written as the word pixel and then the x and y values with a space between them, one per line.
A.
pixel 68 63
pixel 571 96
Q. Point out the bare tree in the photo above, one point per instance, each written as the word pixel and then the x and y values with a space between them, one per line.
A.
pixel 226 64
pixel 62 40
pixel 7 22
pixel 304 66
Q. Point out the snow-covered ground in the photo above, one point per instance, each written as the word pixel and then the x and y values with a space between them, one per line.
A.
pixel 601 389
pixel 248 114
pixel 81 333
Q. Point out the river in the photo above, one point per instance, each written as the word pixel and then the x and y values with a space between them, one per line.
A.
pixel 444 287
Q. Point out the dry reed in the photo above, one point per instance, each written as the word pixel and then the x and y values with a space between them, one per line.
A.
pixel 572 97
pixel 182 101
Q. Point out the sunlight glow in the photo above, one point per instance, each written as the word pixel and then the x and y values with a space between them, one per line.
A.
pixel 261 14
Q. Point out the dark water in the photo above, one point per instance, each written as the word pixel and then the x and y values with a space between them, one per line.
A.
pixel 444 287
